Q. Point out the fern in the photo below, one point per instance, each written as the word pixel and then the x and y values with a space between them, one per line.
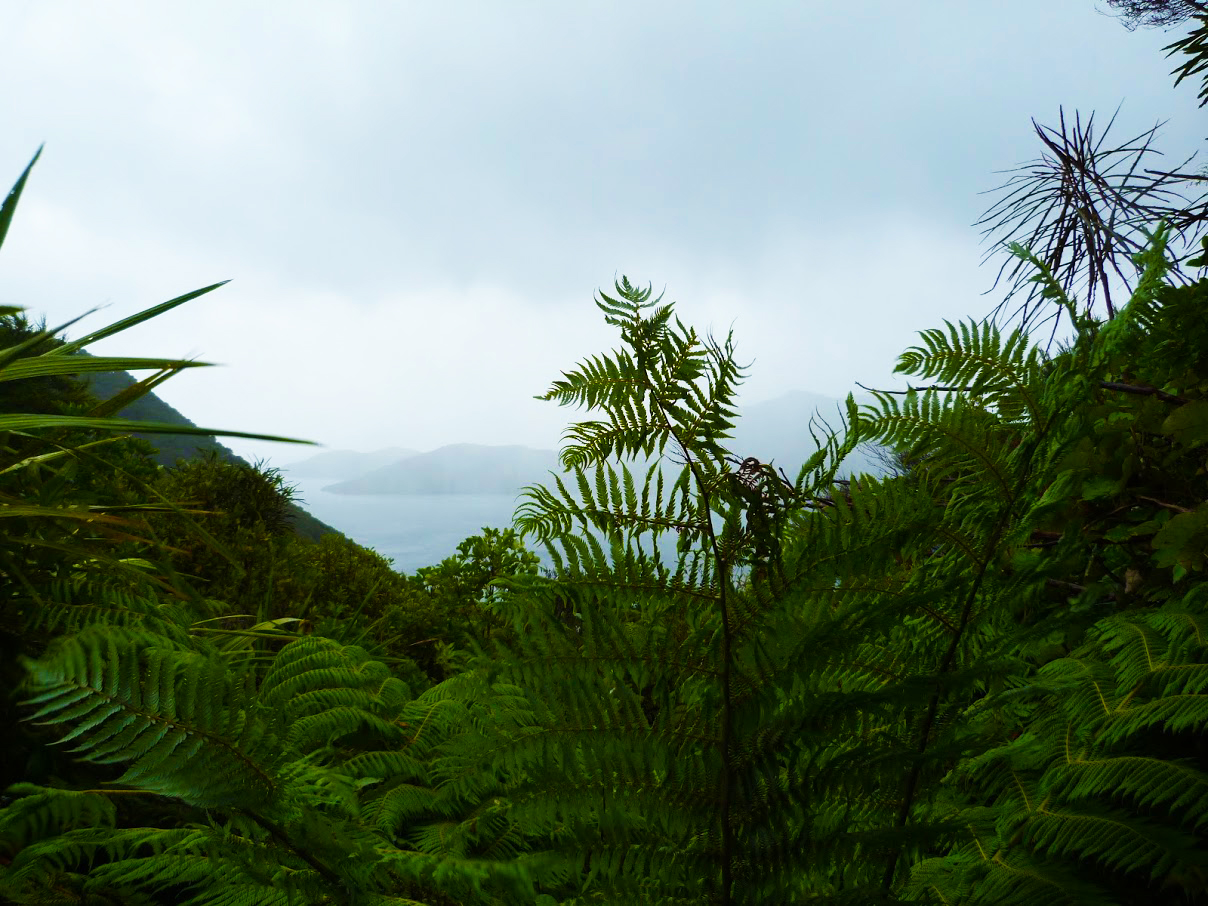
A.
pixel 312 808
pixel 1091 788
pixel 979 681
pixel 669 707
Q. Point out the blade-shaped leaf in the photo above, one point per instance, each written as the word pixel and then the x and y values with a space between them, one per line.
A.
pixel 145 315
pixel 14 352
pixel 135 391
pixel 84 422
pixel 10 203
pixel 47 366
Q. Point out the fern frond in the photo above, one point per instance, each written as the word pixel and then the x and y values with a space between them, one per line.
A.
pixel 84 600
pixel 174 713
pixel 974 358
pixel 38 812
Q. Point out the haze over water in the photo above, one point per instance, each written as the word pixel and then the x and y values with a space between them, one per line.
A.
pixel 413 530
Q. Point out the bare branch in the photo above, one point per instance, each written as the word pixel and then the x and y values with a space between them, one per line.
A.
pixel 1085 211
pixel 1117 386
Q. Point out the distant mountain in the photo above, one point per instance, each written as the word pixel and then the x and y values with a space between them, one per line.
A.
pixel 172 447
pixel 777 431
pixel 456 469
pixel 343 465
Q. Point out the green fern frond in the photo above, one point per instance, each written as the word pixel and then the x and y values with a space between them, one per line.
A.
pixel 1142 309
pixel 1050 286
pixel 654 394
pixel 974 441
pixel 1116 839
pixel 82 601
pixel 173 712
pixel 1146 781
pixel 977 875
pixel 39 812
pixel 974 359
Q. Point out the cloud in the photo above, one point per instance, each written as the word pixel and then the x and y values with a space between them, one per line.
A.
pixel 415 202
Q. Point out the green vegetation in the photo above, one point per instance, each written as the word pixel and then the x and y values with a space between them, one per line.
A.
pixel 168 449
pixel 980 680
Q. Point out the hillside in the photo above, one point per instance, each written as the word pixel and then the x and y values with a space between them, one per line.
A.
pixel 172 447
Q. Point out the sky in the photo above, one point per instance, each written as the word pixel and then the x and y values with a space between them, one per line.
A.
pixel 415 202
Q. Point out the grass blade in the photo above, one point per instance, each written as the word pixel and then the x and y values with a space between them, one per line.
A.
pixel 10 203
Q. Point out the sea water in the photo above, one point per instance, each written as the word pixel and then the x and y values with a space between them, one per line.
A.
pixel 413 530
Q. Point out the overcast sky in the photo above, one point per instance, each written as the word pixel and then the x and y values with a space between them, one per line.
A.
pixel 416 201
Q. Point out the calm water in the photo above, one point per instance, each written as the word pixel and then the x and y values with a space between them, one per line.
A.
pixel 413 530
pixel 417 530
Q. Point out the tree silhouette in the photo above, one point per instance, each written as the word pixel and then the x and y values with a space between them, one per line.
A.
pixel 1156 13
pixel 1086 211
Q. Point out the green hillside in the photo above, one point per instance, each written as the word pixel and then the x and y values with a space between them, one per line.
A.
pixel 173 447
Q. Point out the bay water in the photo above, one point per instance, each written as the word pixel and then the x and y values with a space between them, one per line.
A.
pixel 413 530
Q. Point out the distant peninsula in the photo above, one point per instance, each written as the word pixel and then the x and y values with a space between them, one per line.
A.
pixel 457 469
pixel 776 430
pixel 341 465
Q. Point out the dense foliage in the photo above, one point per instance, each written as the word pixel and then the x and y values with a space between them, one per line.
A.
pixel 979 679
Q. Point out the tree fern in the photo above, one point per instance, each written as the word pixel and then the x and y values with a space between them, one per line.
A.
pixel 662 736
pixel 1091 788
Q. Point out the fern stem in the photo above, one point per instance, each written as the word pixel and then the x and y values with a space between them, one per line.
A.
pixel 933 705
pixel 283 838
pixel 723 582
pixel 916 771
pixel 727 832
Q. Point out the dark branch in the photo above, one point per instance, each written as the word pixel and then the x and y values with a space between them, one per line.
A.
pixel 1156 13
pixel 1139 390
pixel 1117 386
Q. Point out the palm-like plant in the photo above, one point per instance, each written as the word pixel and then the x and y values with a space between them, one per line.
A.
pixel 1084 210
pixel 35 442
pixel 68 559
